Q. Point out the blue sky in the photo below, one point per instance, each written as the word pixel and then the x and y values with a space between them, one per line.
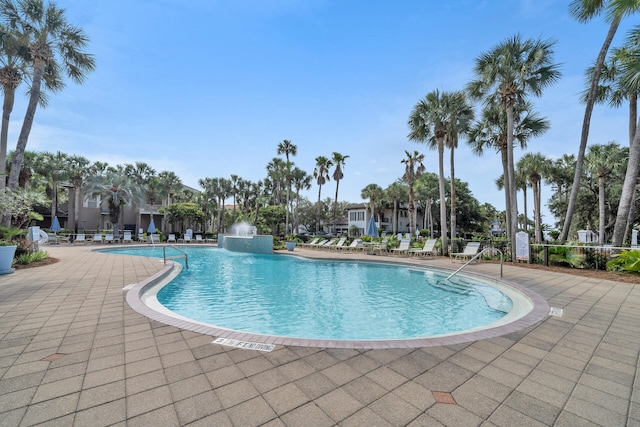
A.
pixel 208 88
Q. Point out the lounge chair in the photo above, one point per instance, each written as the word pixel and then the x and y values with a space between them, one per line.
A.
pixel 319 243
pixel 311 243
pixel 108 238
pixel 469 251
pixel 171 238
pixel 340 243
pixel 187 238
pixel 429 248
pixel 381 246
pixel 403 246
pixel 199 238
pixel 80 238
pixel 353 245
pixel 331 243
pixel 126 237
pixel 97 238
pixel 154 238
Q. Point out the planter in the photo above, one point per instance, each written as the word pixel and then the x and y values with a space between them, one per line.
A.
pixel 6 258
pixel 290 246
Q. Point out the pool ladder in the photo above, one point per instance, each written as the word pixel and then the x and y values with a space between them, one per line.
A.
pixel 475 257
pixel 183 254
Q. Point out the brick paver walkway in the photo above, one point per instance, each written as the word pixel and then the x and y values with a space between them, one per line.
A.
pixel 72 352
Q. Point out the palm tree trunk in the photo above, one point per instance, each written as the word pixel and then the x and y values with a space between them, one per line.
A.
pixel 512 182
pixel 7 108
pixel 536 207
pixel 628 191
pixel 335 207
pixel 507 192
pixel 32 106
pixel 395 216
pixel 586 123
pixel 525 226
pixel 318 210
pixel 443 203
pixel 601 209
pixel 453 197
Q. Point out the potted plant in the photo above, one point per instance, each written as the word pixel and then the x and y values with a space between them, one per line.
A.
pixel 8 248
pixel 291 242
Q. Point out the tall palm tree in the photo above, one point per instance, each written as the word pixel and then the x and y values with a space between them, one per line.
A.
pixel 428 123
pixel 235 180
pixel 54 168
pixel 395 193
pixel 54 44
pixel 601 161
pixel 458 123
pixel 79 168
pixel 338 161
pixel 413 169
pixel 321 174
pixel 508 73
pixel 534 166
pixel 287 148
pixel 373 192
pixel 12 69
pixel 169 185
pixel 490 132
pixel 140 172
pixel 117 190
pixel 583 11
pixel 301 181
pixel 426 189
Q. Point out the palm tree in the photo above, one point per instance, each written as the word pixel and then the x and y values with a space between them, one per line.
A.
pixel 117 190
pixel 12 52
pixel 491 132
pixel 321 174
pixel 413 169
pixel 287 148
pixel 54 168
pixel 140 172
pixel 301 181
pixel 54 45
pixel 601 161
pixel 534 166
pixel 338 161
pixel 373 192
pixel 169 185
pixel 428 123
pixel 506 75
pixel 583 11
pixel 426 189
pixel 235 180
pixel 79 168
pixel 458 123
pixel 395 192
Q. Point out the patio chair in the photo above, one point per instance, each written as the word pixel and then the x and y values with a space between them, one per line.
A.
pixel 80 238
pixel 108 238
pixel 429 248
pixel 340 243
pixel 469 251
pixel 403 246
pixel 199 238
pixel 319 243
pixel 171 238
pixel 52 239
pixel 353 245
pixel 126 237
pixel 311 243
pixel 328 245
pixel 97 238
pixel 381 246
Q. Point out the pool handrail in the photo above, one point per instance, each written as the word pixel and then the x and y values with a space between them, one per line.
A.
pixel 476 256
pixel 184 255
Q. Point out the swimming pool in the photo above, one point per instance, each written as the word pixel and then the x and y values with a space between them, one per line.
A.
pixel 337 301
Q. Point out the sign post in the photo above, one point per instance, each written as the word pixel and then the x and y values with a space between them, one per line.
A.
pixel 522 246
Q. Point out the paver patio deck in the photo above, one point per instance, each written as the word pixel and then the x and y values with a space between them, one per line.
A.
pixel 72 352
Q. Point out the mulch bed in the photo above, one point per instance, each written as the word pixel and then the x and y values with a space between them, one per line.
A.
pixel 46 261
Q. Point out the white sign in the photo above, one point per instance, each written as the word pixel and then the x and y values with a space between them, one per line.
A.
pixel 522 246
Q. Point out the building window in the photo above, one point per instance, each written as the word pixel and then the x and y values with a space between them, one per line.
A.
pixel 360 216
pixel 92 203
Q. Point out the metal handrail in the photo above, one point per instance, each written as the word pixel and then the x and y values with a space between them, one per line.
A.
pixel 184 255
pixel 476 256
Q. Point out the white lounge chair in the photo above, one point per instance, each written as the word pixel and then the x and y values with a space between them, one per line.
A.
pixel 352 245
pixel 381 246
pixel 311 243
pixel 469 251
pixel 126 237
pixel 171 238
pixel 80 238
pixel 340 243
pixel 403 246
pixel 97 238
pixel 429 248
pixel 108 238
pixel 199 238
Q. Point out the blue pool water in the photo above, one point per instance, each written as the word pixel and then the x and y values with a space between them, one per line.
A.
pixel 337 300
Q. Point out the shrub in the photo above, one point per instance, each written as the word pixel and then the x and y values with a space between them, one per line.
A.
pixel 625 261
pixel 29 257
